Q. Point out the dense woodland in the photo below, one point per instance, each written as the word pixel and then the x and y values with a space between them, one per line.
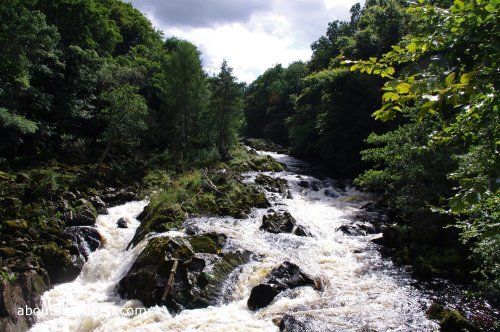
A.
pixel 401 99
pixel 93 80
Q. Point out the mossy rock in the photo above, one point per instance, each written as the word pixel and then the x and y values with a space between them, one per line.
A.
pixel 6 176
pixel 160 247
pixel 210 243
pixel 161 218
pixel 10 207
pixel 260 200
pixel 247 161
pixel 272 184
pixel 6 252
pixel 264 145
pixel 202 270
pixel 15 224
pixel 267 164
pixel 450 320
pixel 58 262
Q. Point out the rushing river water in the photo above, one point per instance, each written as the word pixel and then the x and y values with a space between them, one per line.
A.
pixel 362 291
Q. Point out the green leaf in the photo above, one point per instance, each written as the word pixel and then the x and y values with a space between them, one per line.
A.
pixel 390 96
pixel 472 198
pixel 403 88
pixel 465 78
pixel 457 204
pixel 490 8
pixel 412 48
pixel 450 78
pixel 460 4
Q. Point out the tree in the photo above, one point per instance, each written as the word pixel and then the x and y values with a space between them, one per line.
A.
pixel 184 94
pixel 124 118
pixel 226 105
pixel 30 63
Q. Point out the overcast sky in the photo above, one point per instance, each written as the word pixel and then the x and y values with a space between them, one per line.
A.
pixel 252 35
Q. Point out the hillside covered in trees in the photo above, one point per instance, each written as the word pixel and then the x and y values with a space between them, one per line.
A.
pixel 93 80
pixel 403 99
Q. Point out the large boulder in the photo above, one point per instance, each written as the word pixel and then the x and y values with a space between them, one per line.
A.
pixel 282 223
pixel 286 276
pixel 123 222
pixel 158 218
pixel 86 239
pixel 115 197
pixel 60 264
pixel 22 292
pixel 84 214
pixel 450 320
pixel 275 185
pixel 11 298
pixel 197 264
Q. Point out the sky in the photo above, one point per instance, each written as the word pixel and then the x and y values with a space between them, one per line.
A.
pixel 252 35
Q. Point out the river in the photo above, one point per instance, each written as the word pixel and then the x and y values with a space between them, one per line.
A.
pixel 362 290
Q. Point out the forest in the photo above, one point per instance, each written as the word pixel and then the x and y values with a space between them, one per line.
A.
pixel 399 101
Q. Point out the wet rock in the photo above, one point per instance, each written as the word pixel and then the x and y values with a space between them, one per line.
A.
pixel 301 231
pixel 271 184
pixel 285 276
pixel 370 207
pixel 278 223
pixel 84 214
pixel 123 222
pixel 262 295
pixel 202 269
pixel 357 229
pixel 303 184
pixel 11 298
pixel 315 186
pixel 99 205
pixel 282 223
pixel 61 266
pixel 450 320
pixel 86 239
pixel 117 197
pixel 330 193
pixel 291 324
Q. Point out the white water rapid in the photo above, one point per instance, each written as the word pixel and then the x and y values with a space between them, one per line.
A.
pixel 362 291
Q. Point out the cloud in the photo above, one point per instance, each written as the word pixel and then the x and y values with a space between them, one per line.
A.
pixel 201 13
pixel 252 35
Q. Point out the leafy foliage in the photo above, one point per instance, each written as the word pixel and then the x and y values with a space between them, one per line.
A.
pixel 448 76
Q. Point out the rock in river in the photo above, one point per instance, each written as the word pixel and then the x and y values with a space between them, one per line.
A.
pixel 282 223
pixel 196 265
pixel 285 276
